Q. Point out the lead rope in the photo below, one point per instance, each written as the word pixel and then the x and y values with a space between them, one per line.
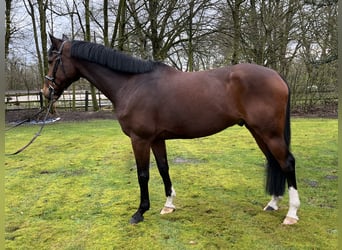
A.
pixel 26 120
pixel 39 131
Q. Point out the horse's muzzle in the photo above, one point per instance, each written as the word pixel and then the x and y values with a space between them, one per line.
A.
pixel 49 92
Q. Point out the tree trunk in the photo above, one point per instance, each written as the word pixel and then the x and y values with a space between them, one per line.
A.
pixel 88 38
pixel 235 9
pixel 122 25
pixel 153 18
pixel 117 22
pixel 190 66
pixel 42 6
pixel 105 23
pixel 31 12
pixel 8 26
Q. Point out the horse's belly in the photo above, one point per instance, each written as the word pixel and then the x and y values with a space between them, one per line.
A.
pixel 197 127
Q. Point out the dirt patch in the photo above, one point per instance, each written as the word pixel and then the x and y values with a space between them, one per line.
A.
pixel 326 111
pixel 20 115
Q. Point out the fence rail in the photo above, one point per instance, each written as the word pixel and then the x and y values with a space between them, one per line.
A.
pixel 82 100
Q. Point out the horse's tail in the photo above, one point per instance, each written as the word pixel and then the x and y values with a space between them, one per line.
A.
pixel 275 180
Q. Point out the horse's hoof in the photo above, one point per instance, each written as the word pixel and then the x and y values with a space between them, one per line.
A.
pixel 136 218
pixel 289 221
pixel 269 208
pixel 167 210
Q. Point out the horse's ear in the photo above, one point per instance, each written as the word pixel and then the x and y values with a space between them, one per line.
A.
pixel 65 37
pixel 54 41
pixel 51 37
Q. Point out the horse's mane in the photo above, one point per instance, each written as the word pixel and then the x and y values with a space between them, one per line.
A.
pixel 110 58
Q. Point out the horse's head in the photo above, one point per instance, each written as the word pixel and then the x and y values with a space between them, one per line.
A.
pixel 62 71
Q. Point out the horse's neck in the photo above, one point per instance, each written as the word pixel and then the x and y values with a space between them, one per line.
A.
pixel 107 81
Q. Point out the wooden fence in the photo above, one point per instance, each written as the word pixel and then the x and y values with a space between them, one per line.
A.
pixel 81 100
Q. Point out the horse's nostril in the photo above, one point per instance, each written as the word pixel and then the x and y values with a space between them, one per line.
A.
pixel 45 91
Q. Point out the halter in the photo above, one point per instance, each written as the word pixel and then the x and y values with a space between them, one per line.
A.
pixel 58 61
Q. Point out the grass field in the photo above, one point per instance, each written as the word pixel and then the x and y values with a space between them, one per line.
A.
pixel 76 188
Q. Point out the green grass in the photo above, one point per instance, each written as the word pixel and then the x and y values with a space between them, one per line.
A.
pixel 76 188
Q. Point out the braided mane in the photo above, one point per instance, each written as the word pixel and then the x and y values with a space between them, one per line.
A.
pixel 110 58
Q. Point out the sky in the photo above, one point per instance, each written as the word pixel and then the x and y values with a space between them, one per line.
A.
pixel 22 44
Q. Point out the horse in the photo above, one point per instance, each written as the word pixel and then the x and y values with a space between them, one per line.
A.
pixel 155 102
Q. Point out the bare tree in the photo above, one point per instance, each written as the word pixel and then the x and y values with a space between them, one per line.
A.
pixel 164 27
pixel 8 26
pixel 87 37
pixel 297 38
pixel 260 31
pixel 42 7
pixel 105 23
pixel 235 9
pixel 318 52
pixel 31 6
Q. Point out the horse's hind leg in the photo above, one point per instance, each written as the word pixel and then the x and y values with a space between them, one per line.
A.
pixel 273 204
pixel 159 151
pixel 281 168
pixel 294 202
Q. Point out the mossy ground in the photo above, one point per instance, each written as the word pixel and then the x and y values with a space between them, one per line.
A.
pixel 76 188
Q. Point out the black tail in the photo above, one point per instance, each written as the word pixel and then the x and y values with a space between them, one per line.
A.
pixel 275 180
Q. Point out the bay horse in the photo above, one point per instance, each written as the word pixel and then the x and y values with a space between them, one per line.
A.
pixel 155 102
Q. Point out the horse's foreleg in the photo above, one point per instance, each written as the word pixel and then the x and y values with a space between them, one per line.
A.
pixel 142 157
pixel 159 151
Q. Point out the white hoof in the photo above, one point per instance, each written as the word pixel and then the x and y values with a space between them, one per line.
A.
pixel 167 210
pixel 290 221
pixel 273 204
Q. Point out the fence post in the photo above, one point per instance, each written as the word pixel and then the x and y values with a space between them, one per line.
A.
pixel 99 96
pixel 86 100
pixel 41 101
